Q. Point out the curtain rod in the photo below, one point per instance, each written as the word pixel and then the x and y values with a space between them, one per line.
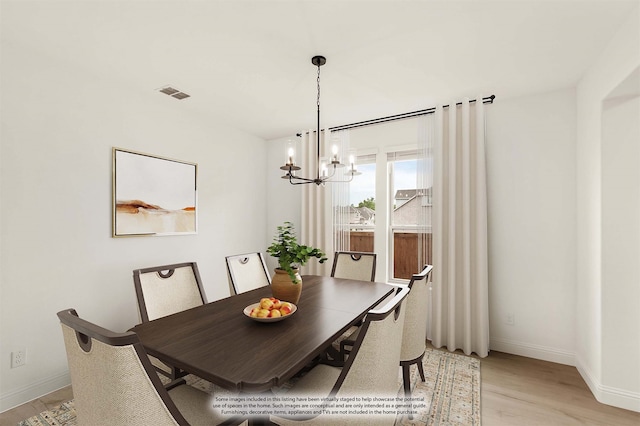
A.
pixel 487 100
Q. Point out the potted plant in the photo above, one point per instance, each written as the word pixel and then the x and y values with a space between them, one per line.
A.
pixel 291 256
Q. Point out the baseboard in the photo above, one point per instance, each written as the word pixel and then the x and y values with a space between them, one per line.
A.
pixel 606 394
pixel 32 391
pixel 544 353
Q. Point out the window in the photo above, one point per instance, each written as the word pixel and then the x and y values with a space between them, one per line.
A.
pixel 386 209
pixel 362 206
pixel 410 215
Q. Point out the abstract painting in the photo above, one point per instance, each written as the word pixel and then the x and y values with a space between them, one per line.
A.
pixel 153 195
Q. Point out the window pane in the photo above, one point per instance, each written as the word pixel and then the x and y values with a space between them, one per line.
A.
pixel 362 210
pixel 405 200
pixel 404 217
pixel 411 210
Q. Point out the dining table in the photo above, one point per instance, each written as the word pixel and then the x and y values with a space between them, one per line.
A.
pixel 219 343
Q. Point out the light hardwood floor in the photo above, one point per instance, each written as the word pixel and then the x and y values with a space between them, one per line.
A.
pixel 524 391
pixel 515 391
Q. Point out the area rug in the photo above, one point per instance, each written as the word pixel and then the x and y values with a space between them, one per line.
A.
pixel 451 394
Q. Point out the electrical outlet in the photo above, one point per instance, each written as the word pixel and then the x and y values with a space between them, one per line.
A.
pixel 510 319
pixel 18 358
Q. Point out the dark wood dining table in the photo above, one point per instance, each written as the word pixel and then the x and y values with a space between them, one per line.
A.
pixel 218 343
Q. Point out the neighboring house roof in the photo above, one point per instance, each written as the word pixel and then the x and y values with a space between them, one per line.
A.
pixel 366 212
pixel 357 214
pixel 407 194
pixel 406 205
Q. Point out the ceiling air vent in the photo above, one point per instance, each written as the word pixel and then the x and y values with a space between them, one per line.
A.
pixel 173 92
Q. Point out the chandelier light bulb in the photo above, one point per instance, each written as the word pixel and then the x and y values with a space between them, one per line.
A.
pixel 290 154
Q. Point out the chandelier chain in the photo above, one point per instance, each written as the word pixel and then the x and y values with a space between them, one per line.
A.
pixel 318 99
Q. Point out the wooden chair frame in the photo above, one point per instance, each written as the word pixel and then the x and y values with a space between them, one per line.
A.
pixel 355 256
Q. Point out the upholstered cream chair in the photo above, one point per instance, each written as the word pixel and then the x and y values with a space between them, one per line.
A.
pixel 354 265
pixel 165 290
pixel 371 369
pixel 247 272
pixel 115 384
pixel 414 334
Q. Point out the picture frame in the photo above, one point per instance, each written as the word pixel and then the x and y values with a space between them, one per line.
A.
pixel 153 195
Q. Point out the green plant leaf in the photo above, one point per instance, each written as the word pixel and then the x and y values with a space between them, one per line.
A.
pixel 289 253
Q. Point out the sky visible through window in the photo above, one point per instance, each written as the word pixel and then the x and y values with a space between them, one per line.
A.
pixel 364 186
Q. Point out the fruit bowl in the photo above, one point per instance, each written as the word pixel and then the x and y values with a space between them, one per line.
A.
pixel 248 309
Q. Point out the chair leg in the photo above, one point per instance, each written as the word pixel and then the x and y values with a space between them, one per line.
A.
pixel 406 380
pixel 406 367
pixel 421 369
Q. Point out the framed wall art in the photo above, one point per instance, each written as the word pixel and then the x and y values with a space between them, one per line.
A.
pixel 153 195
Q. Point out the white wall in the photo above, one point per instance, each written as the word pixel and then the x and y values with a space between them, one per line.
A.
pixel 284 199
pixel 531 184
pixel 59 124
pixel 531 147
pixel 621 243
pixel 619 59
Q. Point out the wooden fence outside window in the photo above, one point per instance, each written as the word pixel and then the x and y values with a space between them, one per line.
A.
pixel 405 250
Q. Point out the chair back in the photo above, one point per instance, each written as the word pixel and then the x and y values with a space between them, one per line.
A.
pixel 165 290
pixel 113 380
pixel 354 265
pixel 372 366
pixel 414 335
pixel 247 272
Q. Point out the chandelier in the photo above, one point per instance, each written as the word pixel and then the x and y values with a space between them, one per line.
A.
pixel 325 171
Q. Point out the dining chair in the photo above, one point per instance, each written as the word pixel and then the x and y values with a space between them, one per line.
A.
pixel 247 272
pixel 354 265
pixel 115 384
pixel 414 334
pixel 165 290
pixel 371 368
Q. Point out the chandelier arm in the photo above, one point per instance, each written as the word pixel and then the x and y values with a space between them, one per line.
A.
pixel 332 173
pixel 319 181
pixel 304 180
pixel 338 181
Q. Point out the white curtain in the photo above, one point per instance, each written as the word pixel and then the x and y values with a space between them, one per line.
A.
pixel 460 317
pixel 424 184
pixel 315 229
pixel 340 194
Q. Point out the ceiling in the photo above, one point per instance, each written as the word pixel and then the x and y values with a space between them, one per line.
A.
pixel 248 63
